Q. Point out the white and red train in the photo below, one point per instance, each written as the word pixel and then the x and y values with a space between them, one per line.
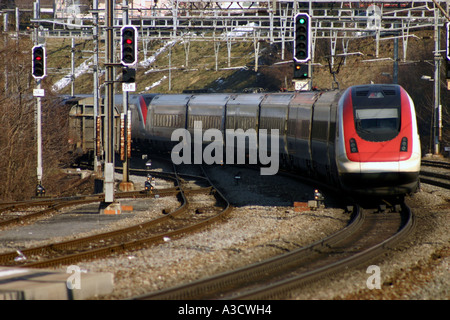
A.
pixel 378 146
pixel 363 139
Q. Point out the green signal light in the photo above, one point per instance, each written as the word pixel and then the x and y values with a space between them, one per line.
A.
pixel 302 21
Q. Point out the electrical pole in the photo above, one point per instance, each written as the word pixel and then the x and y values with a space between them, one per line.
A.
pixel 38 94
pixel 96 98
pixel 72 69
pixel 395 69
pixel 109 144
pixel 125 185
pixel 437 84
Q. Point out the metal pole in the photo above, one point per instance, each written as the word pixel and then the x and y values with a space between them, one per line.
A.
pixel 125 105
pixel 39 136
pixel 170 68
pixel 39 169
pixel 17 22
pixel 72 69
pixel 437 81
pixel 109 159
pixel 395 71
pixel 5 21
pixel 95 71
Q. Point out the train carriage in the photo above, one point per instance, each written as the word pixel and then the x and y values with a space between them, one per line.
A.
pixel 208 110
pixel 166 113
pixel 274 115
pixel 204 112
pixel 363 139
pixel 138 105
pixel 323 135
pixel 241 124
pixel 299 131
pixel 82 134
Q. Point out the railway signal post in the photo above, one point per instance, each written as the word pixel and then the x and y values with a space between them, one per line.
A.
pixel 128 41
pixel 109 145
pixel 39 62
pixel 302 37
pixel 302 52
pixel 301 76
pixel 39 71
pixel 128 54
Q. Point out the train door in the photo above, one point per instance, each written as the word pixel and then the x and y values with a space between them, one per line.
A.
pixel 207 111
pixel 323 128
pixel 299 130
pixel 274 115
pixel 332 139
pixel 241 136
pixel 167 113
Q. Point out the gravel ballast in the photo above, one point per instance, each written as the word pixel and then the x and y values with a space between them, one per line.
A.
pixel 263 224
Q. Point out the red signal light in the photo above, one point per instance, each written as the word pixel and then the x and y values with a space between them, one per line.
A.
pixel 38 60
pixel 129 45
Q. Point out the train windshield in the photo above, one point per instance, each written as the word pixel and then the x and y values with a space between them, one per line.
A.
pixel 377 112
pixel 377 124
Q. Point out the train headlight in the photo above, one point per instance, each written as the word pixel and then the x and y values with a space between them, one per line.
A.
pixel 404 145
pixel 353 146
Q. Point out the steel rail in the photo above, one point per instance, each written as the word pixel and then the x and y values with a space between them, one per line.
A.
pixel 54 205
pixel 7 257
pixel 123 246
pixel 211 287
pixel 434 182
pixel 439 164
pixel 433 178
pixel 208 286
pixel 283 287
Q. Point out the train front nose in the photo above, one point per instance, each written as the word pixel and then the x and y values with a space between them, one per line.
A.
pixel 377 146
pixel 380 179
pixel 364 175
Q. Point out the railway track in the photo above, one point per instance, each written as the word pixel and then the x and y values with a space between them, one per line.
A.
pixel 438 164
pixel 367 235
pixel 268 280
pixel 438 173
pixel 187 218
pixel 22 212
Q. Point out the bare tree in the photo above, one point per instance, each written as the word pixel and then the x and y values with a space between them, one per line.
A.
pixel 18 147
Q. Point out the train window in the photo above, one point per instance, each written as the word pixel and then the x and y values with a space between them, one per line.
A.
pixel 304 129
pixel 387 113
pixel 320 130
pixel 377 124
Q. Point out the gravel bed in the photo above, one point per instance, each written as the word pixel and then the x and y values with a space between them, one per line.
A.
pixel 264 223
pixel 418 268
pixel 80 221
